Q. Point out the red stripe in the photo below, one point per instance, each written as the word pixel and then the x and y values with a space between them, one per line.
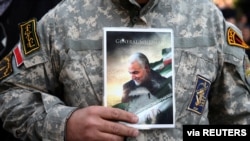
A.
pixel 18 56
pixel 168 61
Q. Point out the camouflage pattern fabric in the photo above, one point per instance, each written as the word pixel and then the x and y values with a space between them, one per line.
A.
pixel 65 73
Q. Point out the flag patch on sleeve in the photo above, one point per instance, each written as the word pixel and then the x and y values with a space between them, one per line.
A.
pixel 6 67
pixel 200 95
pixel 18 55
pixel 235 40
pixel 29 39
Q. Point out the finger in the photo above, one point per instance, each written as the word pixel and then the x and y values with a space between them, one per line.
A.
pixel 116 114
pixel 98 135
pixel 110 137
pixel 119 129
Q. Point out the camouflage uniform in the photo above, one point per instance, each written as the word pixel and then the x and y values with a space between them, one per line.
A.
pixel 64 70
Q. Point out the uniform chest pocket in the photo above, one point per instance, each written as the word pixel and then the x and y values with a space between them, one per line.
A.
pixel 82 77
pixel 191 65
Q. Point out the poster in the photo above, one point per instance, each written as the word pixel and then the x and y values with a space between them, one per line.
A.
pixel 138 74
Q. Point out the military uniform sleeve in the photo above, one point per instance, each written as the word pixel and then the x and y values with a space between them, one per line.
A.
pixel 29 105
pixel 32 115
pixel 229 101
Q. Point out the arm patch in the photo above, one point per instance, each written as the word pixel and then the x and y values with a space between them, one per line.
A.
pixel 6 67
pixel 29 39
pixel 234 39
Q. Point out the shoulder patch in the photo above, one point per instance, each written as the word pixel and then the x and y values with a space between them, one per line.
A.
pixel 29 39
pixel 235 40
pixel 6 67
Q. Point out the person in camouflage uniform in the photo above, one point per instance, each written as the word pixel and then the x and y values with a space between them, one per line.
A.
pixel 52 89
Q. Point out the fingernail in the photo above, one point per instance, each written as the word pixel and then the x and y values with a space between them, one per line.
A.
pixel 136 133
pixel 135 119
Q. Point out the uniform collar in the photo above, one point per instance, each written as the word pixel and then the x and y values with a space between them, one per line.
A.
pixel 135 10
pixel 132 5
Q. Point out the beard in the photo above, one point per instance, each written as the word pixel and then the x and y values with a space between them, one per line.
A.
pixel 144 80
